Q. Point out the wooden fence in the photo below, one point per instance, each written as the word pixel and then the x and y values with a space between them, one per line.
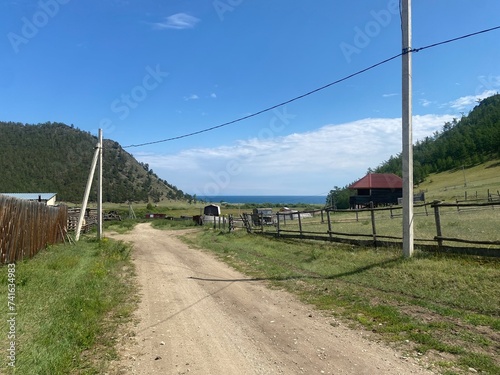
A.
pixel 89 219
pixel 27 227
pixel 467 227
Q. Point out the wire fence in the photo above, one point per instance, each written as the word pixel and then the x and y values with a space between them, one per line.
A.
pixel 27 227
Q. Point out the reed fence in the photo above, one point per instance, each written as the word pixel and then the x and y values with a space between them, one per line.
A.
pixel 27 227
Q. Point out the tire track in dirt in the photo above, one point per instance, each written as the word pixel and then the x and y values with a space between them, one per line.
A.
pixel 198 316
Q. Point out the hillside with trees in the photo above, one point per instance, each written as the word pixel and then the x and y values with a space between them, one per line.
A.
pixel 462 143
pixel 54 157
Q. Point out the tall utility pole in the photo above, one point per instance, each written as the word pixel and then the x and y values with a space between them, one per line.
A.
pixel 97 157
pixel 407 131
pixel 87 193
pixel 99 189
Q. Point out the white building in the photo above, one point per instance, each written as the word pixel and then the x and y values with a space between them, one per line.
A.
pixel 48 198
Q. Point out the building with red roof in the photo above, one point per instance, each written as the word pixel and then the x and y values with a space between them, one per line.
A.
pixel 380 188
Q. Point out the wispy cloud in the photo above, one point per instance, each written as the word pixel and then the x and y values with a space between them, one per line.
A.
pixel 470 100
pixel 425 102
pixel 213 95
pixel 178 21
pixel 389 95
pixel 331 155
pixel 191 97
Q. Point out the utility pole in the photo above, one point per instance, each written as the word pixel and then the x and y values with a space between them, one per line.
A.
pixel 407 130
pixel 87 192
pixel 99 189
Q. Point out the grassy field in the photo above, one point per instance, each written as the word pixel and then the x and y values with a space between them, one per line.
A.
pixel 444 309
pixel 470 224
pixel 450 186
pixel 69 300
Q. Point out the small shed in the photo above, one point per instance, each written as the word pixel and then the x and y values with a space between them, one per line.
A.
pixel 48 198
pixel 380 188
pixel 211 210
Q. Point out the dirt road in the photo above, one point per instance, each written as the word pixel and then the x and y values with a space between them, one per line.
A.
pixel 198 316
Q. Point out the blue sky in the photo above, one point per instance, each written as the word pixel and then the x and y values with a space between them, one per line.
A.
pixel 146 70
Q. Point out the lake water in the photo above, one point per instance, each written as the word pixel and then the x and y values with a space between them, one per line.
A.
pixel 261 199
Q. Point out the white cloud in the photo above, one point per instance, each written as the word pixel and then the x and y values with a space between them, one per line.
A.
pixel 471 100
pixel 213 95
pixel 425 102
pixel 488 83
pixel 389 95
pixel 305 163
pixel 191 97
pixel 178 21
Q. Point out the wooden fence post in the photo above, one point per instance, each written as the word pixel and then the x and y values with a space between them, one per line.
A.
pixel 300 223
pixel 278 223
pixel 374 230
pixel 329 224
pixel 322 218
pixel 437 217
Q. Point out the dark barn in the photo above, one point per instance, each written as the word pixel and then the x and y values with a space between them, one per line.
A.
pixel 380 188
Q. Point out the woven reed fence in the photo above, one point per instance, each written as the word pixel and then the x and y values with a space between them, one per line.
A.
pixel 27 227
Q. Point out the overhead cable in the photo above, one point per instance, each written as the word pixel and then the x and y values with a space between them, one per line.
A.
pixel 315 90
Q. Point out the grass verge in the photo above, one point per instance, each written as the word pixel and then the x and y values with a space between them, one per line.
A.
pixel 69 301
pixel 443 308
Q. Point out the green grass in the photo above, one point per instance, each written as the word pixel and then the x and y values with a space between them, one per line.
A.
pixel 122 226
pixel 69 301
pixel 479 225
pixel 452 185
pixel 447 304
pixel 172 224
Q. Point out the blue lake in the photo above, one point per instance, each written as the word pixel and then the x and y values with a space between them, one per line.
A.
pixel 261 199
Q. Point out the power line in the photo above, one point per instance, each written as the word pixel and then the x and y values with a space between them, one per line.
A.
pixel 269 108
pixel 455 39
pixel 315 90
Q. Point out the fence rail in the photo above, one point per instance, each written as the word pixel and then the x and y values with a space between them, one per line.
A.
pixel 27 227
pixel 441 225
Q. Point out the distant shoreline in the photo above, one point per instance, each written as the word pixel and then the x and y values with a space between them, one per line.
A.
pixel 262 199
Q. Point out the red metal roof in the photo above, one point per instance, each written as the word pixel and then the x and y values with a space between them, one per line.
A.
pixel 379 181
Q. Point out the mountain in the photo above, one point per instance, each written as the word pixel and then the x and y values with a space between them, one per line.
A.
pixel 54 157
pixel 463 143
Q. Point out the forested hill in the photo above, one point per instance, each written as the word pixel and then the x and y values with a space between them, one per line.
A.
pixel 471 140
pixel 54 157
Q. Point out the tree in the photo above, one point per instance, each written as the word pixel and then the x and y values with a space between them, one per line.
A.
pixel 338 198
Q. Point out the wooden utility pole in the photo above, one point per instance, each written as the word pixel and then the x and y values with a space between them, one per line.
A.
pixel 99 189
pixel 87 192
pixel 407 131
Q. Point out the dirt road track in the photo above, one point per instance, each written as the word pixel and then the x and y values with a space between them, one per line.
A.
pixel 198 316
